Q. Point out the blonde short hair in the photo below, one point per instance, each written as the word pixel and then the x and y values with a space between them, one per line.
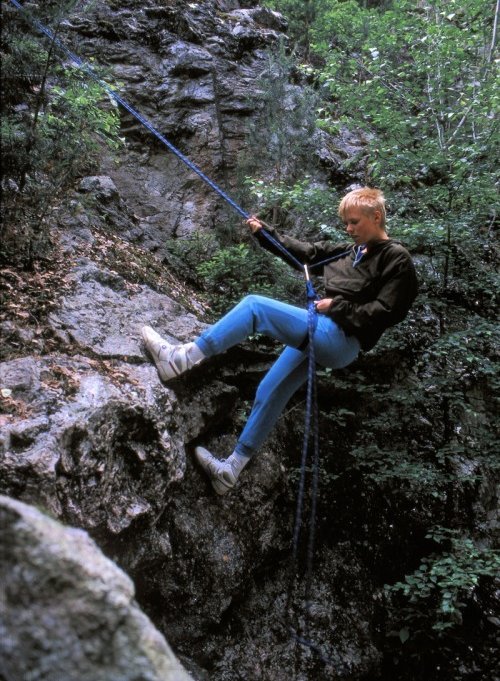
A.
pixel 367 199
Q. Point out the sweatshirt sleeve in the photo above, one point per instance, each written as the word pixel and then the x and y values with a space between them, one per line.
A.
pixel 391 305
pixel 306 252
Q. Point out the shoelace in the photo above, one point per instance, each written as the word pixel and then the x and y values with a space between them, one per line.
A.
pixel 216 466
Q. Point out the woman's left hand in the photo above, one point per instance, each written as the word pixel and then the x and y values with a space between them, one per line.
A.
pixel 323 304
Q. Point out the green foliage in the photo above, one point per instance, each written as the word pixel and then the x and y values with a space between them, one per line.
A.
pixel 422 81
pixel 235 271
pixel 279 137
pixel 382 465
pixel 301 201
pixel 54 125
pixel 186 254
pixel 226 274
pixel 279 174
pixel 463 445
pixel 461 357
pixel 301 16
pixel 443 582
pixel 453 367
pixel 428 97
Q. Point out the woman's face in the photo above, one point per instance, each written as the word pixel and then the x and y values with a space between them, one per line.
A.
pixel 362 227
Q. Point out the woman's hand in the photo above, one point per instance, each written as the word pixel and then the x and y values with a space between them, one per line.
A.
pixel 323 304
pixel 254 223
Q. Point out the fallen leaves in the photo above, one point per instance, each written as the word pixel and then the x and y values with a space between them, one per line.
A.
pixel 26 299
pixel 60 378
pixel 118 375
pixel 138 266
pixel 12 409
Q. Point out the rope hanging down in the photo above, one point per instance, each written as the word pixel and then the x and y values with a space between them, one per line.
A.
pixel 311 415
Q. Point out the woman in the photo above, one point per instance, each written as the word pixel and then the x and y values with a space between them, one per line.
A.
pixel 370 287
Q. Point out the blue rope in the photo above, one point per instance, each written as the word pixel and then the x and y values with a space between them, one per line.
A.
pixel 312 320
pixel 357 257
pixel 311 415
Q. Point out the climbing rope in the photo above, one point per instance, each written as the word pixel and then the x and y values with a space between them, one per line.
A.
pixel 311 412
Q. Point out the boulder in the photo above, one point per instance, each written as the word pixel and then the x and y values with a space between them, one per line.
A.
pixel 67 611
pixel 105 314
pixel 101 186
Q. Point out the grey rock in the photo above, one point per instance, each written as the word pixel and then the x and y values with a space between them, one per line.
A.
pixel 105 315
pixel 260 17
pixel 67 611
pixel 101 449
pixel 190 69
pixel 343 156
pixel 16 334
pixel 101 185
pixel 351 656
pixel 181 58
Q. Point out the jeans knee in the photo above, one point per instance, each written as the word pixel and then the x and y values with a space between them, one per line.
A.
pixel 253 299
pixel 262 392
pixel 247 301
pixel 255 305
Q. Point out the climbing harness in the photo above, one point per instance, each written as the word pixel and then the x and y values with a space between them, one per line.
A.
pixel 311 412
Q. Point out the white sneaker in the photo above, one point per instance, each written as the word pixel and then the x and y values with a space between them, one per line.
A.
pixel 221 473
pixel 171 360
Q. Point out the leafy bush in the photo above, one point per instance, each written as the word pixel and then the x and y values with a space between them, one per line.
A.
pixel 443 582
pixel 301 201
pixel 280 136
pixel 235 271
pixel 185 254
pixel 54 124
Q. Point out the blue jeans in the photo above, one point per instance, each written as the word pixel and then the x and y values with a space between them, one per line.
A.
pixel 287 324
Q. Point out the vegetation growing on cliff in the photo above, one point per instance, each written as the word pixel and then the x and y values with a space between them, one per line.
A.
pixel 407 433
pixel 421 80
pixel 54 122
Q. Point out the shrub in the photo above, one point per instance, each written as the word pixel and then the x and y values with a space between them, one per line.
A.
pixel 235 271
pixel 54 124
pixel 443 582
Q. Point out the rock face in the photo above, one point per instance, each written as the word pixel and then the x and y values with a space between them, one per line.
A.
pixel 96 438
pixel 191 69
pixel 89 432
pixel 68 612
pixel 105 315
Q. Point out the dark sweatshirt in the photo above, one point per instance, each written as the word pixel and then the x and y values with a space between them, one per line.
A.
pixel 368 298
